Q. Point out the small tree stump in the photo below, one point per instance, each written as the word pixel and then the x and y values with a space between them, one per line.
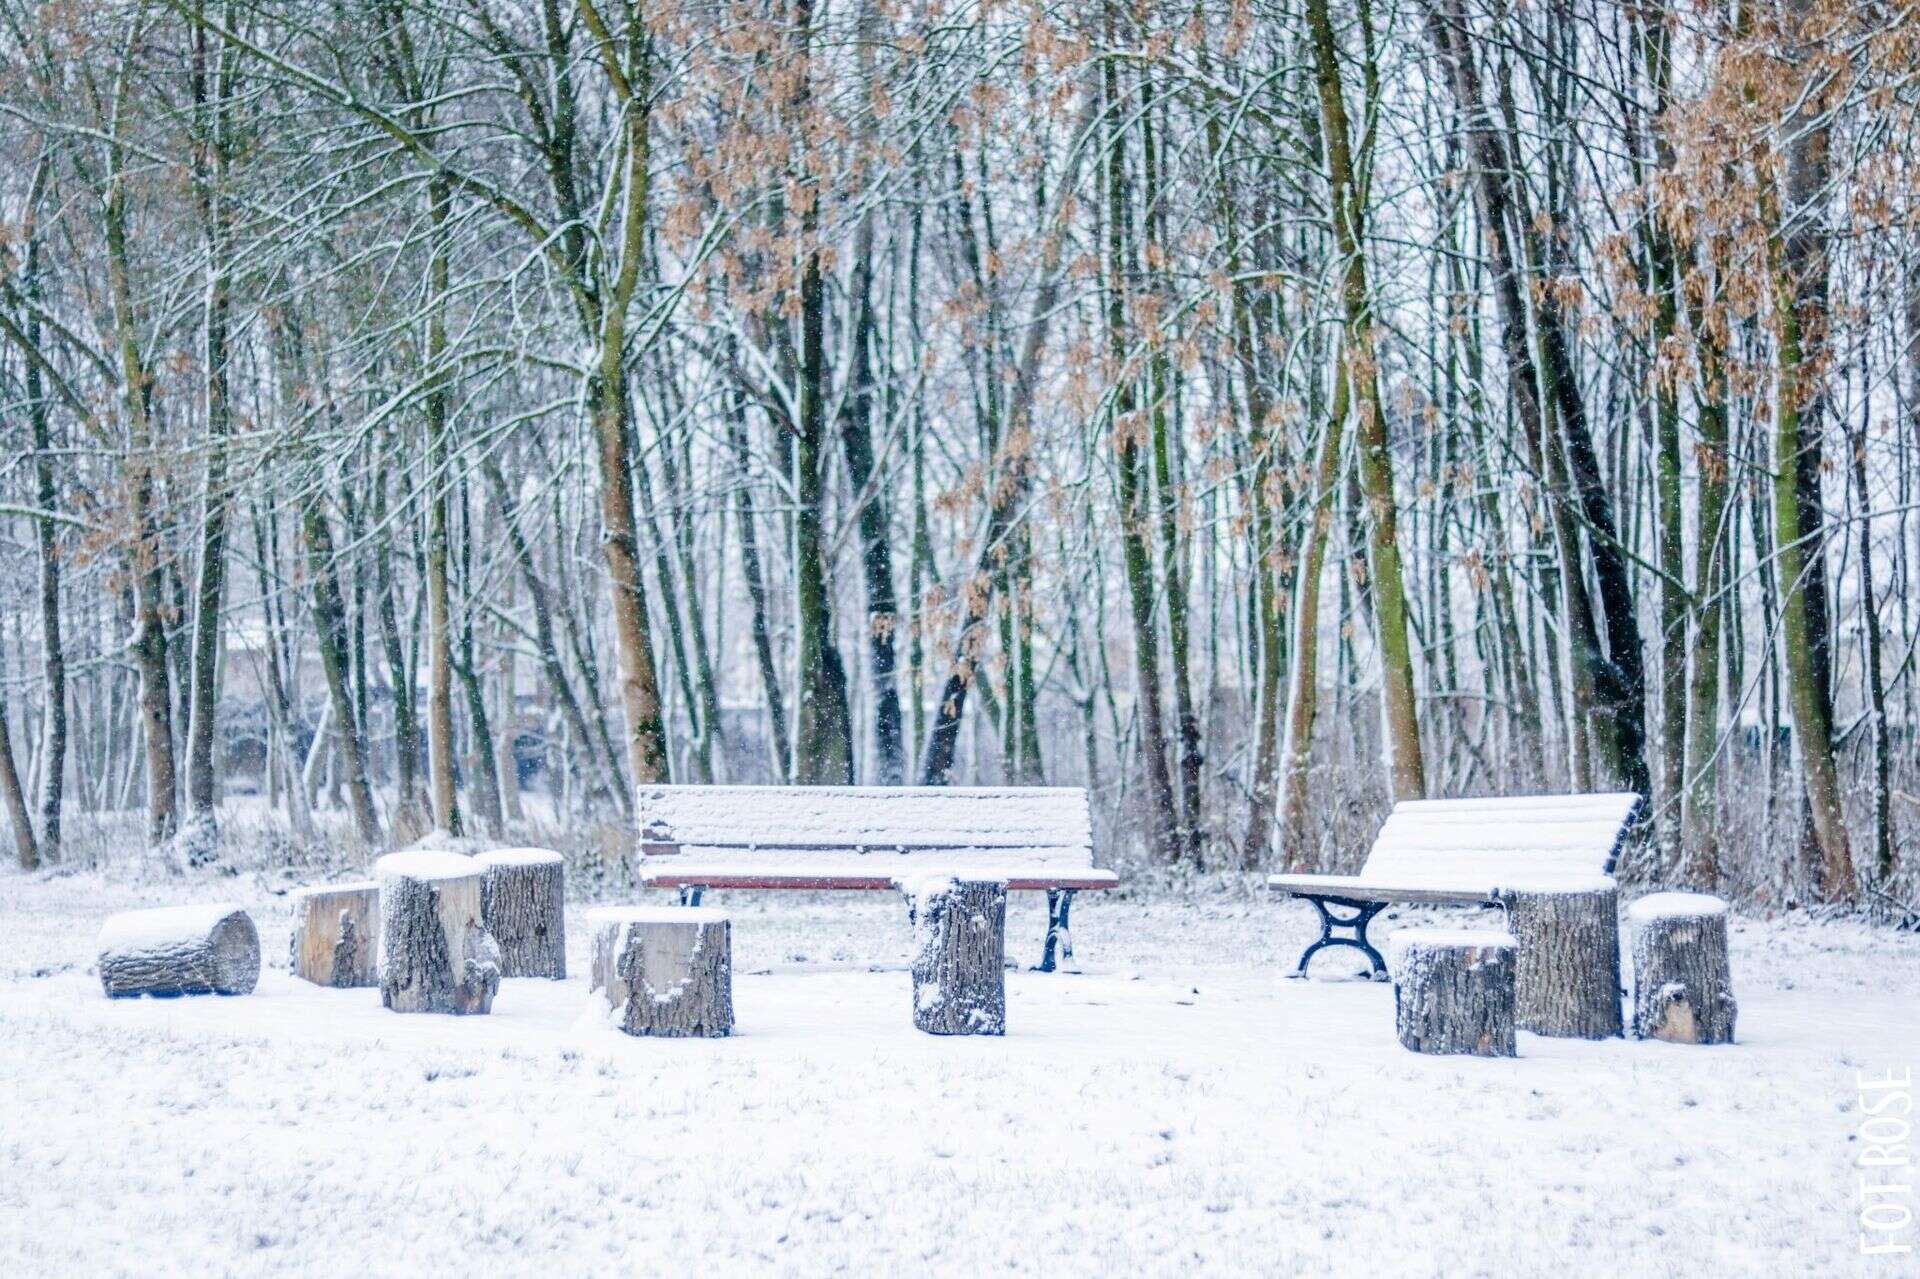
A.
pixel 336 934
pixel 1567 974
pixel 665 971
pixel 523 904
pixel 179 950
pixel 1682 982
pixel 436 955
pixel 959 955
pixel 1453 991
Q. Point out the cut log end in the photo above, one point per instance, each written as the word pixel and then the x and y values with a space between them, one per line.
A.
pixel 523 904
pixel 664 971
pixel 1453 991
pixel 436 955
pixel 179 950
pixel 1682 979
pixel 959 964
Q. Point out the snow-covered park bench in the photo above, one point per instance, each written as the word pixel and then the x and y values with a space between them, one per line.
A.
pixel 1464 852
pixel 1038 839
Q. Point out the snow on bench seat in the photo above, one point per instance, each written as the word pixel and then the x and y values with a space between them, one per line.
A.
pixel 865 836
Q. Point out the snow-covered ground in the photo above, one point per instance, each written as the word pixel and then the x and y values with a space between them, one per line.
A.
pixel 1176 1108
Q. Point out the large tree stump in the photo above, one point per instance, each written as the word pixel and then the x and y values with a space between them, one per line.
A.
pixel 179 950
pixel 523 904
pixel 959 955
pixel 1567 974
pixel 1682 982
pixel 664 970
pixel 435 953
pixel 336 934
pixel 1453 991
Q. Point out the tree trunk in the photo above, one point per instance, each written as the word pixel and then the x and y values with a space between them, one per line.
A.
pixel 1567 972
pixel 15 796
pixel 336 934
pixel 1406 773
pixel 959 955
pixel 1453 991
pixel 666 971
pixel 179 950
pixel 523 904
pixel 1682 984
pixel 436 955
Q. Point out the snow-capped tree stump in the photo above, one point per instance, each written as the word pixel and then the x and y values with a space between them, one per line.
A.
pixel 665 971
pixel 436 955
pixel 523 904
pixel 336 934
pixel 1453 991
pixel 179 950
pixel 959 955
pixel 1567 974
pixel 1682 983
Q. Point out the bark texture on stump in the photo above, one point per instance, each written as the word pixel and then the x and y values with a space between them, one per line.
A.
pixel 180 950
pixel 959 955
pixel 523 904
pixel 1453 991
pixel 1682 982
pixel 1567 974
pixel 665 971
pixel 336 934
pixel 436 955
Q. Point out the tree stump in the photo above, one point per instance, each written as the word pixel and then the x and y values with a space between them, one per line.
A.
pixel 1453 991
pixel 336 934
pixel 179 950
pixel 436 955
pixel 1567 973
pixel 959 955
pixel 665 971
pixel 523 904
pixel 1682 982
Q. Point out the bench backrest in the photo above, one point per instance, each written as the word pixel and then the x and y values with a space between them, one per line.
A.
pixel 1528 835
pixel 1044 823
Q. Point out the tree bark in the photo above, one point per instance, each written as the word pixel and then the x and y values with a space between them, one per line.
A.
pixel 1567 970
pixel 1682 983
pixel 523 904
pixel 1453 992
pixel 959 955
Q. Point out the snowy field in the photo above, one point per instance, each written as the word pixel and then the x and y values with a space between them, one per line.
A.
pixel 1176 1108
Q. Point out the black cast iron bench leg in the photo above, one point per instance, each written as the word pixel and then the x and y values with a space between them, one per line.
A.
pixel 1059 903
pixel 1356 926
pixel 690 894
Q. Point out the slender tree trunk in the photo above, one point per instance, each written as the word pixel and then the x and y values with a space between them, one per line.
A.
pixel 1399 718
pixel 210 88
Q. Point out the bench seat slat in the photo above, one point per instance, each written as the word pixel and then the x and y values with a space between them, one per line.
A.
pixel 866 816
pixel 1029 879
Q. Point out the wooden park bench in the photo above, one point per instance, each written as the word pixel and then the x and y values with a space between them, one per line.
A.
pixel 1038 839
pixel 1463 852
